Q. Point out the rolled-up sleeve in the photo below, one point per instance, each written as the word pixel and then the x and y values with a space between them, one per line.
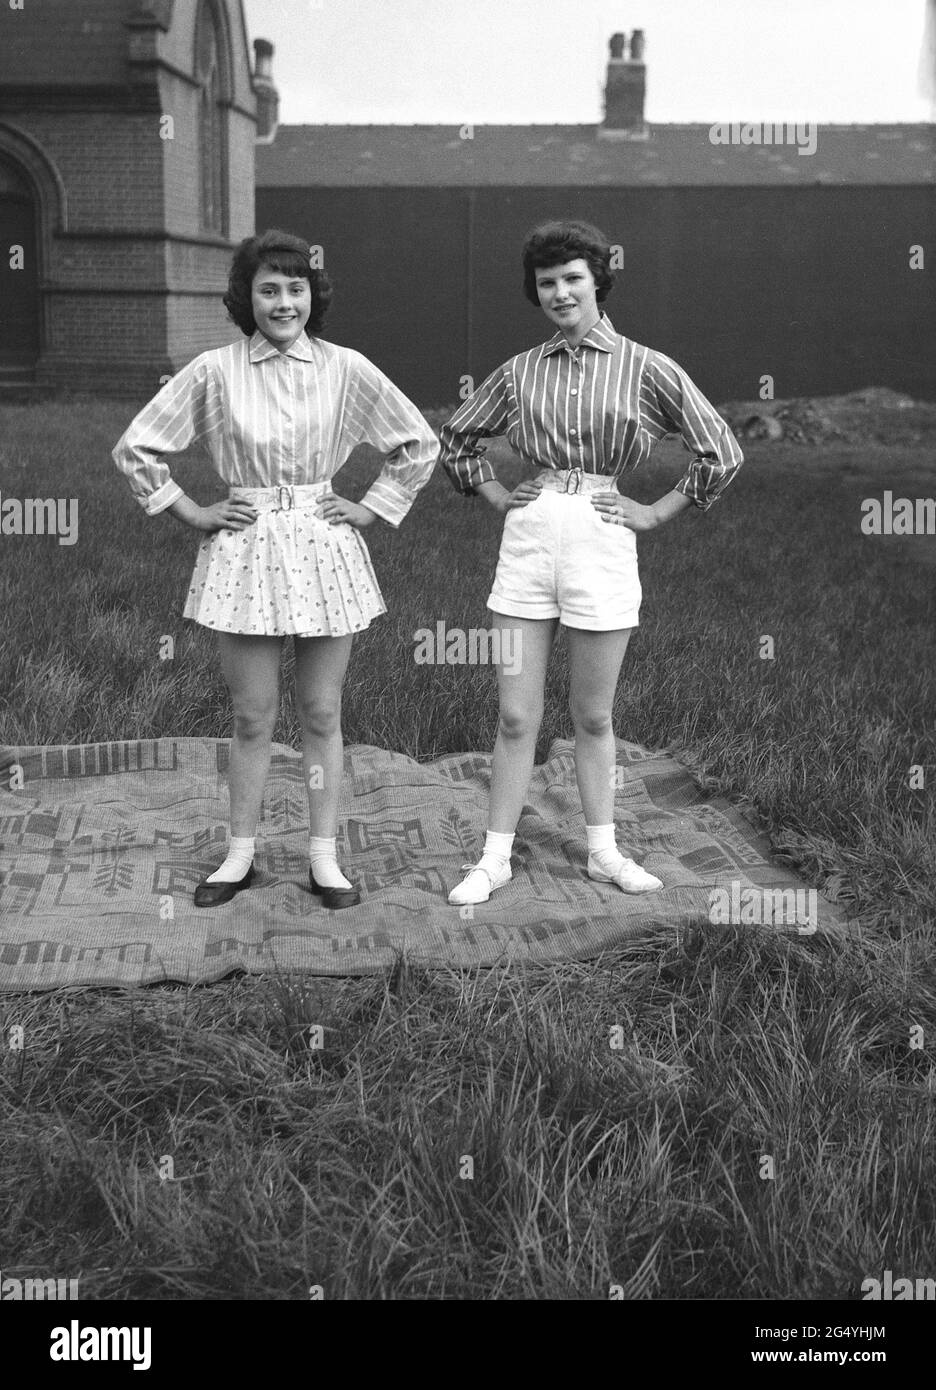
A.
pixel 716 453
pixel 378 413
pixel 483 416
pixel 178 416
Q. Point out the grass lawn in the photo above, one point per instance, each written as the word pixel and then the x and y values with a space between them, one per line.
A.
pixel 639 1166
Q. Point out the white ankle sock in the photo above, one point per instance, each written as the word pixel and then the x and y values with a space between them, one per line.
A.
pixel 323 861
pixel 600 837
pixel 602 847
pixel 239 858
pixel 497 849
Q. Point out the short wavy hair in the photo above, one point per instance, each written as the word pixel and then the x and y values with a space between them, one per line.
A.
pixel 286 254
pixel 556 243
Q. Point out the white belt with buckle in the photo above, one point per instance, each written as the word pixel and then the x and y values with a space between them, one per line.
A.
pixel 283 497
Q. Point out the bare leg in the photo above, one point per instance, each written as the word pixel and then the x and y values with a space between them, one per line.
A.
pixel 321 663
pixel 521 713
pixel 251 668
pixel 595 660
pixel 520 682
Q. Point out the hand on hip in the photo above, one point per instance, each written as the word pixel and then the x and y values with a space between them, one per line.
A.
pixel 623 511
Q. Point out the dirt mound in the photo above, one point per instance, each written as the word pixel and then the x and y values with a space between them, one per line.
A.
pixel 875 414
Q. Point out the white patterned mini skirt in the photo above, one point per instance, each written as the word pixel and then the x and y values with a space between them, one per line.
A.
pixel 289 573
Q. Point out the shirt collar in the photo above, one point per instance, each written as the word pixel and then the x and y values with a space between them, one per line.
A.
pixel 261 349
pixel 602 337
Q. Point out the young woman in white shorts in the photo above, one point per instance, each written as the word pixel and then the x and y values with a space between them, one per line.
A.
pixel 581 409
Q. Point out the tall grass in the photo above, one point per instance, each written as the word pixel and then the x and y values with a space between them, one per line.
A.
pixel 641 1166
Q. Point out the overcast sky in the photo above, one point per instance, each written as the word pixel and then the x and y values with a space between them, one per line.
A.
pixel 542 61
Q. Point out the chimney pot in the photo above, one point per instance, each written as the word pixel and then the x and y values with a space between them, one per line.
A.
pixel 263 54
pixel 265 91
pixel 625 90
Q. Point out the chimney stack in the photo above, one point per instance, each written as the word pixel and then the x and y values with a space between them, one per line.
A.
pixel 265 91
pixel 625 90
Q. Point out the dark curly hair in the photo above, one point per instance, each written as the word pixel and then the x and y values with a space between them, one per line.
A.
pixel 286 254
pixel 556 243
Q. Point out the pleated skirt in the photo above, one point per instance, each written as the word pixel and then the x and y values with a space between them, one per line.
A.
pixel 289 573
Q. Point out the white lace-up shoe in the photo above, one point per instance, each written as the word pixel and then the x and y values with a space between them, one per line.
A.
pixel 478 885
pixel 630 877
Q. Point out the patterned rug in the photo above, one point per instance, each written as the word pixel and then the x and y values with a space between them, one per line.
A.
pixel 101 846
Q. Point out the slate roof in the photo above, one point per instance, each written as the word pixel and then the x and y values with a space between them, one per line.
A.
pixel 547 155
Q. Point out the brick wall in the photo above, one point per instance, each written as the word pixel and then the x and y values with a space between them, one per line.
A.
pixel 196 324
pixel 109 161
pixel 54 42
pixel 113 345
pixel 242 182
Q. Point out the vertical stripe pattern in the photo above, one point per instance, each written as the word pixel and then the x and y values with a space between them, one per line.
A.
pixel 600 408
pixel 270 417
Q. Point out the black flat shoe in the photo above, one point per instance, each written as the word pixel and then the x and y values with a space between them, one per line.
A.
pixel 334 897
pixel 214 894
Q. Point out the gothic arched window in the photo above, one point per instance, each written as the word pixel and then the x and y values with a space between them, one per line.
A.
pixel 209 74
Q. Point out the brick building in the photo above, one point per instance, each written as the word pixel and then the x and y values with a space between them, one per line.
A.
pixel 127 132
pixel 748 255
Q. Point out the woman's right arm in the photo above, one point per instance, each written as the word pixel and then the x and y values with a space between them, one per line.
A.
pixel 228 514
pixel 182 413
pixel 462 455
pixel 483 416
pixel 495 493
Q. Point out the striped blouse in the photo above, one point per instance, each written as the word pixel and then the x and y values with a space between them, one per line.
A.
pixel 600 409
pixel 271 417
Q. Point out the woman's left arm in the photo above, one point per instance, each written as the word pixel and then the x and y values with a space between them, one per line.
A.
pixel 675 403
pixel 716 454
pixel 378 413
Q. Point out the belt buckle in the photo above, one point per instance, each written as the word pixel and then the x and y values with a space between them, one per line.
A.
pixel 578 480
pixel 284 487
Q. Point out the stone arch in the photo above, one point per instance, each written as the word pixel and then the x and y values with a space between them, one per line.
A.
pixel 35 210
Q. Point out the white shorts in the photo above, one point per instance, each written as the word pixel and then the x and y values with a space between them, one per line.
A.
pixel 559 559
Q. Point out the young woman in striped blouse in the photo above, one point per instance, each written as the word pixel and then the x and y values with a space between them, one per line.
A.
pixel 280 411
pixel 581 408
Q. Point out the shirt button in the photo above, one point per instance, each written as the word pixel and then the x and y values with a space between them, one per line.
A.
pixel 574 390
pixel 573 432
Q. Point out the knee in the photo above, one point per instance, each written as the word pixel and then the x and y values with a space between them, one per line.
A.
pixel 320 718
pixel 592 721
pixel 255 721
pixel 516 723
